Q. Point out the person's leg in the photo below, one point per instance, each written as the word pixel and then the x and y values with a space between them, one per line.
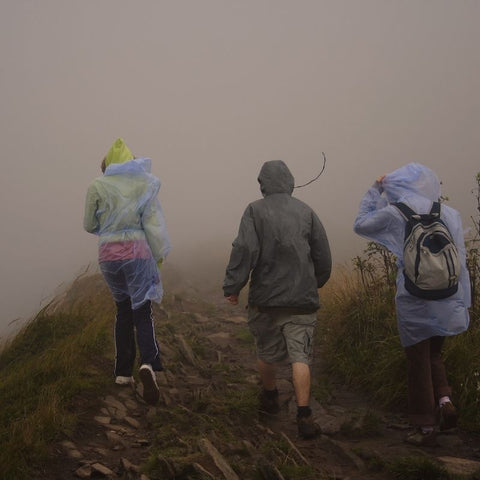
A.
pixel 147 343
pixel 125 350
pixel 421 399
pixel 114 275
pixel 441 389
pixel 301 383
pixel 149 352
pixel 298 331
pixel 271 349
pixel 267 373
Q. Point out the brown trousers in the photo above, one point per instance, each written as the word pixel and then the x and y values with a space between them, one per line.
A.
pixel 427 380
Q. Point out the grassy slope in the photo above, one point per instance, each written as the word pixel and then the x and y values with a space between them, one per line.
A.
pixel 56 356
pixel 64 350
pixel 359 336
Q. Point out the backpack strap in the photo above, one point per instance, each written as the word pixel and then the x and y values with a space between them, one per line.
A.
pixel 405 210
pixel 435 210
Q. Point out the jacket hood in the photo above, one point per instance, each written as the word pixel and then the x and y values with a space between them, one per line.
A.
pixel 413 178
pixel 118 153
pixel 136 166
pixel 275 177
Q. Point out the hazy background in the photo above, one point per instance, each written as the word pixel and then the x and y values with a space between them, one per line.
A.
pixel 210 89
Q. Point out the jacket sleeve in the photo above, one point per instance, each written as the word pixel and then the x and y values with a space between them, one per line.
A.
pixel 320 252
pixel 90 221
pixel 380 222
pixel 244 255
pixel 155 228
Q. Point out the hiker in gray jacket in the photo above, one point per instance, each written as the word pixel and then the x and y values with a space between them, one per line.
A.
pixel 283 249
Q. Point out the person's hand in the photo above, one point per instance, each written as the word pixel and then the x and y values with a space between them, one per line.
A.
pixel 378 183
pixel 232 299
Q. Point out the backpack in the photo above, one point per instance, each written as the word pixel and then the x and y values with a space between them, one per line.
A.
pixel 430 257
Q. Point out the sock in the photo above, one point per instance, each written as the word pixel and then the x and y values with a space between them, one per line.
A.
pixel 444 400
pixel 271 394
pixel 304 412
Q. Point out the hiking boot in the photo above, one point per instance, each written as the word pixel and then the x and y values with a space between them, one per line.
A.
pixel 151 393
pixel 119 380
pixel 420 438
pixel 307 428
pixel 269 402
pixel 448 416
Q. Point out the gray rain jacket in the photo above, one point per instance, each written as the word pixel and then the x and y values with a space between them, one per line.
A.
pixel 283 244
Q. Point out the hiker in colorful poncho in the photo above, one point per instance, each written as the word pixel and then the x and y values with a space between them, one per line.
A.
pixel 122 208
pixel 282 248
pixel 423 323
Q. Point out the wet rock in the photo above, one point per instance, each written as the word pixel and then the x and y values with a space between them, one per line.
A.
pixel 102 420
pixel 114 439
pixel 132 422
pixel 237 319
pixel 131 404
pixel 102 470
pixel 221 339
pixel 460 466
pixel 129 466
pixel 115 407
pixel 449 441
pixel 85 471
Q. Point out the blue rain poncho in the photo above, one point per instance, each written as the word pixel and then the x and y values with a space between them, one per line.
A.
pixel 281 247
pixel 377 220
pixel 122 208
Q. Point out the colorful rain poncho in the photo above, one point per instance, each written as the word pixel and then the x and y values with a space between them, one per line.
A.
pixel 377 220
pixel 122 208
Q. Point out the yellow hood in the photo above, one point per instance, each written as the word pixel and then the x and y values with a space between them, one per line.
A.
pixel 118 153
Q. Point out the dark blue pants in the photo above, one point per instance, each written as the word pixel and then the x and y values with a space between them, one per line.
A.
pixel 126 323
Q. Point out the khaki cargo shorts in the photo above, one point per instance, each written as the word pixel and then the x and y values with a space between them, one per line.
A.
pixel 282 336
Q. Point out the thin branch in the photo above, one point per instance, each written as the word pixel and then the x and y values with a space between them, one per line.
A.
pixel 311 181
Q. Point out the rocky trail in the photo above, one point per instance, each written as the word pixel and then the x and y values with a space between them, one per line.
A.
pixel 206 425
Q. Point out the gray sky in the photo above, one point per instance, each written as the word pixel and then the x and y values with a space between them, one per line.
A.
pixel 210 89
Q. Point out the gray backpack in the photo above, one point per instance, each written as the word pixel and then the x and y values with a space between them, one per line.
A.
pixel 430 257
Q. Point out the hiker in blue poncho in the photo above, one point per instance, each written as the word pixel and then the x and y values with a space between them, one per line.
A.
pixel 423 323
pixel 122 208
pixel 282 248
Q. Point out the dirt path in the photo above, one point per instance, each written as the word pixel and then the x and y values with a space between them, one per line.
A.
pixel 208 355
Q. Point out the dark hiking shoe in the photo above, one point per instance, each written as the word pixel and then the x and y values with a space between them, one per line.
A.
pixel 269 402
pixel 448 416
pixel 151 393
pixel 420 438
pixel 307 428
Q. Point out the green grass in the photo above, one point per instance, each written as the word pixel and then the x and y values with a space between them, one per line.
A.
pixel 417 468
pixel 54 358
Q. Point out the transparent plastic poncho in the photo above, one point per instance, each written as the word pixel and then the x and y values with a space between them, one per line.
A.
pixel 122 208
pixel 379 221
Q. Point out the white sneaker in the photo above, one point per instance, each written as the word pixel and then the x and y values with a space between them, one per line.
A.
pixel 151 393
pixel 124 380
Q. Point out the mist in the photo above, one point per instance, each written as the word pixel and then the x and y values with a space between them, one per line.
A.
pixel 211 90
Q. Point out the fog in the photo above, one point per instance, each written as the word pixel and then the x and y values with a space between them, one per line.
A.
pixel 210 90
